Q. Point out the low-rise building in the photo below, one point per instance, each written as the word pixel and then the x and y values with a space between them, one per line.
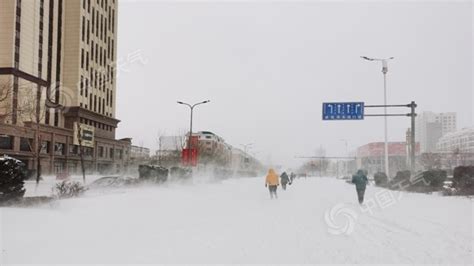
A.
pixel 138 153
pixel 371 157
pixel 461 141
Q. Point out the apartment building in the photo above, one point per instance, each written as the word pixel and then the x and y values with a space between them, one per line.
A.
pixel 58 75
pixel 430 127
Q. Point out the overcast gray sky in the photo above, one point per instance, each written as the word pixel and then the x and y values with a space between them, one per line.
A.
pixel 268 66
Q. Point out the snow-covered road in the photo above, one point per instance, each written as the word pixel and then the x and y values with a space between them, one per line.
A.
pixel 316 220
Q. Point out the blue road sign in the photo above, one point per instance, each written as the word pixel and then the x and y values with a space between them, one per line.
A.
pixel 343 111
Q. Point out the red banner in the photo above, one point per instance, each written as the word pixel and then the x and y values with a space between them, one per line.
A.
pixel 194 142
pixel 189 158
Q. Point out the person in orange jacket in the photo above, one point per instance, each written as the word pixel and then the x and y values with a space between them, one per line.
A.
pixel 272 181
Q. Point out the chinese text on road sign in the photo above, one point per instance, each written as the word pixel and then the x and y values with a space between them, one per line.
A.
pixel 343 111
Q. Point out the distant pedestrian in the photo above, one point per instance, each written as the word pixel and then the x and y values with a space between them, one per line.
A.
pixel 272 181
pixel 284 180
pixel 292 177
pixel 360 180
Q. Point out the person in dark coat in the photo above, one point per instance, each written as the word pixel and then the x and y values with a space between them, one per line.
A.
pixel 284 180
pixel 292 177
pixel 360 180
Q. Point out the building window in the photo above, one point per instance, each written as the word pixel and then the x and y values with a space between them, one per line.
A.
pixel 82 85
pixel 83 28
pixel 6 142
pixel 26 144
pixel 87 61
pixel 93 20
pixel 97 24
pixel 88 31
pixel 101 27
pixel 113 20
pixel 101 152
pixel 45 147
pixel 111 153
pixel 88 151
pixel 73 149
pixel 59 148
pixel 87 87
pixel 92 50
pixel 82 58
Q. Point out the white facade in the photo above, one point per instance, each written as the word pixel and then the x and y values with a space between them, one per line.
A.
pixel 171 143
pixel 139 152
pixel 432 126
pixel 461 141
pixel 210 142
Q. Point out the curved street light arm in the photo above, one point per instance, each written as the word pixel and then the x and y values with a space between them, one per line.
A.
pixel 203 102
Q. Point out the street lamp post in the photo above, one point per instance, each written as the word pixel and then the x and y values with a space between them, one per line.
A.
pixel 384 71
pixel 191 107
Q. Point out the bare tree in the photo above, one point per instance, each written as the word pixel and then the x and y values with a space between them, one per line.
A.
pixel 316 165
pixel 30 109
pixel 170 148
pixel 159 140
pixel 81 152
pixel 431 160
pixel 5 105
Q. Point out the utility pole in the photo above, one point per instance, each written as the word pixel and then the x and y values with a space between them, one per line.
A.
pixel 412 115
pixel 412 139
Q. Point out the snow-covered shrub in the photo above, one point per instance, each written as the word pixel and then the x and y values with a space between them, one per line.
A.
pixel 402 177
pixel 12 178
pixel 463 180
pixel 463 176
pixel 180 173
pixel 380 179
pixel 153 173
pixel 435 178
pixel 69 189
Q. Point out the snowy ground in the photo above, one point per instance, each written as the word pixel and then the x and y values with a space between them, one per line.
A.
pixel 315 221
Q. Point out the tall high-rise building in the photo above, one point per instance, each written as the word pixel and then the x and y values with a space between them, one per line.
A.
pixel 430 127
pixel 58 68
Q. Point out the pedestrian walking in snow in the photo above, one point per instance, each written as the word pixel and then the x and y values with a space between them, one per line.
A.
pixel 284 180
pixel 272 181
pixel 292 177
pixel 360 180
